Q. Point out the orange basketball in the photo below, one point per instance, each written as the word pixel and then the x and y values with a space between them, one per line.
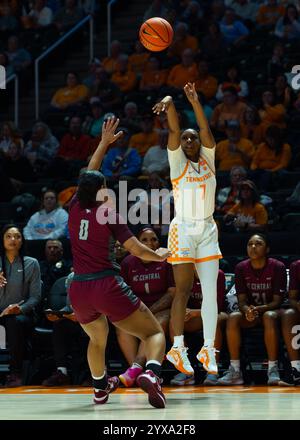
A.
pixel 156 34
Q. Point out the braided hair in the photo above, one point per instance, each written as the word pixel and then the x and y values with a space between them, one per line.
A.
pixel 3 251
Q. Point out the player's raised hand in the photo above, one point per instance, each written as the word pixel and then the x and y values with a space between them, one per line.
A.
pixel 163 253
pixel 190 92
pixel 163 105
pixel 109 127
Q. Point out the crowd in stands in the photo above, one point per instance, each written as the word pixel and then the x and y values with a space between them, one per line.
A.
pixel 239 54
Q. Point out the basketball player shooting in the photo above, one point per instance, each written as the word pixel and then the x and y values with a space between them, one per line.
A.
pixel 193 235
pixel 98 291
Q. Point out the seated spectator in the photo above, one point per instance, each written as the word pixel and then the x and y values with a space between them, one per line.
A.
pixel 54 266
pixel 93 122
pixel 68 16
pixel 213 44
pixel 20 293
pixel 291 203
pixel 260 285
pixel 233 30
pixel 228 197
pixel 131 118
pixel 121 161
pixel 71 96
pixel 147 138
pixel 9 133
pixel 184 72
pixel 235 150
pixel 208 111
pixel 138 60
pixel 65 331
pixel 248 214
pixel 124 78
pixel 182 40
pixel 288 26
pixel 17 166
pixel 272 155
pixel 283 93
pixel 206 83
pixel 193 16
pixel 156 9
pixel 18 57
pixel 75 145
pixel 291 318
pixel 108 92
pixel 233 80
pixel 153 77
pixel 270 112
pixel 251 126
pixel 278 64
pixel 156 158
pixel 49 223
pixel 39 16
pixel 4 61
pixel 110 63
pixel 153 283
pixel 245 10
pixel 230 108
pixel 193 323
pixel 8 22
pixel 41 149
pixel 269 13
pixel 90 79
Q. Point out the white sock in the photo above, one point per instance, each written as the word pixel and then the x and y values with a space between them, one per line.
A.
pixel 178 341
pixel 296 364
pixel 153 361
pixel 272 364
pixel 236 364
pixel 209 343
pixel 98 378
pixel 63 370
pixel 135 365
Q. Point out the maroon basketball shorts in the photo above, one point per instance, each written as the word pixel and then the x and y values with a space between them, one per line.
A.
pixel 109 296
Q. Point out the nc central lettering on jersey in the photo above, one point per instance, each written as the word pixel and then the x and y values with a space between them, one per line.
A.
pixel 147 277
pixel 259 286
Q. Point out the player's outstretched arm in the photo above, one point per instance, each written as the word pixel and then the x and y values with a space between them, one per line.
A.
pixel 136 248
pixel 108 137
pixel 167 105
pixel 205 133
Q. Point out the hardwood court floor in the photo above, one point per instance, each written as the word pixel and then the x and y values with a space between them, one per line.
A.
pixel 183 403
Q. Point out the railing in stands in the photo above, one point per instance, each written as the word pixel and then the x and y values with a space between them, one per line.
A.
pixel 54 46
pixel 15 78
pixel 109 6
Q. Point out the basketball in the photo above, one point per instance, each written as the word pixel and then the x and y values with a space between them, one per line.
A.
pixel 156 34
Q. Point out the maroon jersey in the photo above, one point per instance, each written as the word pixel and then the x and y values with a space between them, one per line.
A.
pixel 295 276
pixel 93 243
pixel 148 281
pixel 260 284
pixel 195 300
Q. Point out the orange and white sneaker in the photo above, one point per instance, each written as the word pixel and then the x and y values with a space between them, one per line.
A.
pixel 207 356
pixel 178 357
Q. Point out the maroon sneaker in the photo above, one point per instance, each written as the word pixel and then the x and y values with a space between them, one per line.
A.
pixel 101 396
pixel 57 379
pixel 150 383
pixel 13 380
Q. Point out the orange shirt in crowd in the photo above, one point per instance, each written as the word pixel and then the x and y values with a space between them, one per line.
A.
pixel 250 214
pixel 228 158
pixel 110 64
pixel 153 79
pixel 137 62
pixel 269 14
pixel 223 113
pixel 273 115
pixel 70 95
pixel 208 86
pixel 143 141
pixel 125 81
pixel 266 159
pixel 254 133
pixel 180 75
pixel 189 42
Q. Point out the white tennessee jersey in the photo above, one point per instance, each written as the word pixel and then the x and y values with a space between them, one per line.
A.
pixel 194 184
